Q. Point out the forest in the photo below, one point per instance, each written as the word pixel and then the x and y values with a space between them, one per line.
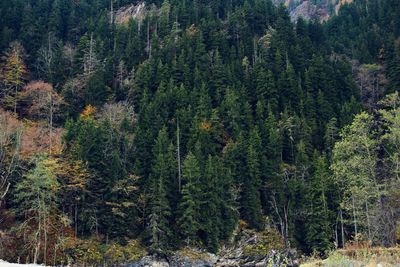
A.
pixel 122 135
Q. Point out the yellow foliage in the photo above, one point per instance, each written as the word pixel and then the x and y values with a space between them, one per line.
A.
pixel 206 126
pixel 73 173
pixel 86 252
pixel 15 70
pixel 88 112
pixel 93 252
pixel 115 254
pixel 243 224
pixel 192 30
pixel 134 250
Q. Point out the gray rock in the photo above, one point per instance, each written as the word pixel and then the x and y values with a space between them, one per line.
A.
pixel 149 261
pixel 207 260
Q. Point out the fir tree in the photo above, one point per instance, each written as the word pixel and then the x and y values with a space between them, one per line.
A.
pixel 189 204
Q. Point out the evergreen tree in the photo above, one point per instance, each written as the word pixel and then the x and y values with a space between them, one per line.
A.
pixel 319 230
pixel 189 204
pixel 251 197
pixel 159 228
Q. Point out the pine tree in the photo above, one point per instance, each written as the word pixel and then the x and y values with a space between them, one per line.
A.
pixel 188 220
pixel 165 11
pixel 319 232
pixel 251 196
pixel 210 204
pixel 158 227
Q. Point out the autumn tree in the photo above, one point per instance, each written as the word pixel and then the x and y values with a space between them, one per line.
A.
pixel 13 73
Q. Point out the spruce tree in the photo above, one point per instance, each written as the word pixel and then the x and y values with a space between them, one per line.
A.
pixel 251 196
pixel 158 223
pixel 319 229
pixel 188 220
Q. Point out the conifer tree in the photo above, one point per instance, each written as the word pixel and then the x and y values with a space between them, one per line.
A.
pixel 319 229
pixel 251 196
pixel 158 223
pixel 189 204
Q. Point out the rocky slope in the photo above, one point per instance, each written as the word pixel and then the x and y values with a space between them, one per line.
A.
pixel 313 9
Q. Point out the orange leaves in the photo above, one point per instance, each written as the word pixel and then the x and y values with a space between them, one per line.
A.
pixel 88 112
pixel 206 126
pixel 31 137
pixel 8 125
pixel 38 100
pixel 36 139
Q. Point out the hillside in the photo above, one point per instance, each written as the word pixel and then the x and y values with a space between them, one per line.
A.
pixel 177 130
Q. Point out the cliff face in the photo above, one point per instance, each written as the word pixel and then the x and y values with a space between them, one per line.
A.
pixel 313 9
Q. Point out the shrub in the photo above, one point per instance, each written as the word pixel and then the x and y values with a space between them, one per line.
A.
pixel 266 241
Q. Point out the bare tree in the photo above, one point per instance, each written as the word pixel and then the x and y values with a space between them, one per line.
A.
pixel 371 81
pixel 46 57
pixel 90 59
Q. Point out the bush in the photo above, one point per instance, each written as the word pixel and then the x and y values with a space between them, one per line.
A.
pixel 337 260
pixel 92 252
pixel 266 241
pixel 134 251
pixel 86 252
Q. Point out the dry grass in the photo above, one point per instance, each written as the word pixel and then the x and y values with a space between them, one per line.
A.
pixel 362 257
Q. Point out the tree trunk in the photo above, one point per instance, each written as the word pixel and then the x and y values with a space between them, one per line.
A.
pixel 342 228
pixel 51 123
pixel 368 222
pixel 76 223
pixel 15 100
pixel 179 156
pixel 355 220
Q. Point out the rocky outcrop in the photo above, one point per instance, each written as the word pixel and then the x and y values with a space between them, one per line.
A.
pixel 134 11
pixel 207 260
pixel 254 249
pixel 149 261
pixel 176 260
pixel 309 9
pixel 250 249
pixel 274 258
